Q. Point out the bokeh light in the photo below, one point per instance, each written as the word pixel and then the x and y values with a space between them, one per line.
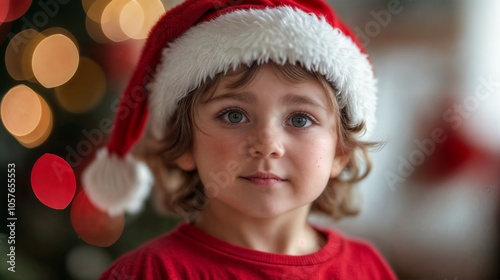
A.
pixel 120 20
pixel 96 9
pixel 86 4
pixel 110 21
pixel 42 132
pixel 59 30
pixel 15 54
pixel 55 60
pixel 26 116
pixel 21 110
pixel 27 57
pixel 94 226
pixel 53 181
pixel 85 89
pixel 13 9
pixel 152 9
pixel 4 10
pixel 130 17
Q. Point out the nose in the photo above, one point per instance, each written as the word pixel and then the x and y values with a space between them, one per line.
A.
pixel 267 144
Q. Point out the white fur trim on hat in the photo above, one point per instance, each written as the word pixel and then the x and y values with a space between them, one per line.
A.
pixel 282 35
pixel 115 185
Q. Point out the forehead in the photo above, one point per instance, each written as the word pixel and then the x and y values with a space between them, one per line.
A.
pixel 290 74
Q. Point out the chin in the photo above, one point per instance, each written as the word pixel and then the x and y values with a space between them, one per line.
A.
pixel 271 212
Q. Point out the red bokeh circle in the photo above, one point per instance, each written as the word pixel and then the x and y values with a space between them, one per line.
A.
pixel 13 9
pixel 53 181
pixel 94 226
pixel 4 10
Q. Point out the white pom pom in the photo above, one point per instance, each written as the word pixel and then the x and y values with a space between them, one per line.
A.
pixel 115 185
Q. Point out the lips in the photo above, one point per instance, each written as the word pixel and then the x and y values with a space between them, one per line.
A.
pixel 264 178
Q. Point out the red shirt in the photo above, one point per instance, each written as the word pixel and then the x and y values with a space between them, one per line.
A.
pixel 190 253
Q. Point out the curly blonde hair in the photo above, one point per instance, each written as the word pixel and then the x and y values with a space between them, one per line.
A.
pixel 181 192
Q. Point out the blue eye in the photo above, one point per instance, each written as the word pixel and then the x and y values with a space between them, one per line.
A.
pixel 301 120
pixel 233 116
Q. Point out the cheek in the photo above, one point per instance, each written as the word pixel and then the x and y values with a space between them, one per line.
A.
pixel 322 163
pixel 318 153
pixel 212 154
pixel 219 147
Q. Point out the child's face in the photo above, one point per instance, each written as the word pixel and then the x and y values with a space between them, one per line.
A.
pixel 266 148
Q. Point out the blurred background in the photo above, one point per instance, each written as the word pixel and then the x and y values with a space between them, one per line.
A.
pixel 431 203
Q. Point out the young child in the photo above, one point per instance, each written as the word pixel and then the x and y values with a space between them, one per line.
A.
pixel 258 113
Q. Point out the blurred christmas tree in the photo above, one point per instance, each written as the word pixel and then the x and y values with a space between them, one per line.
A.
pixel 63 66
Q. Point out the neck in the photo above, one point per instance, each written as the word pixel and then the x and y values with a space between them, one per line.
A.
pixel 288 234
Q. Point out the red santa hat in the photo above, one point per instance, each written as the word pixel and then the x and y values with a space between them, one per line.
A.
pixel 197 40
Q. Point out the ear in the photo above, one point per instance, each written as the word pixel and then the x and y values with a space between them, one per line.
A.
pixel 186 161
pixel 339 162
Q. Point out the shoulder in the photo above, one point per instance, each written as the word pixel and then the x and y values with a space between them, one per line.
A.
pixel 142 263
pixel 362 258
pixel 153 260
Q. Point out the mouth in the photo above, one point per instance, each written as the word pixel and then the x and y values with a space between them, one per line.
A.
pixel 264 178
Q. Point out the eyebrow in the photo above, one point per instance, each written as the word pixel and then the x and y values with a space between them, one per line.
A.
pixel 293 99
pixel 243 97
